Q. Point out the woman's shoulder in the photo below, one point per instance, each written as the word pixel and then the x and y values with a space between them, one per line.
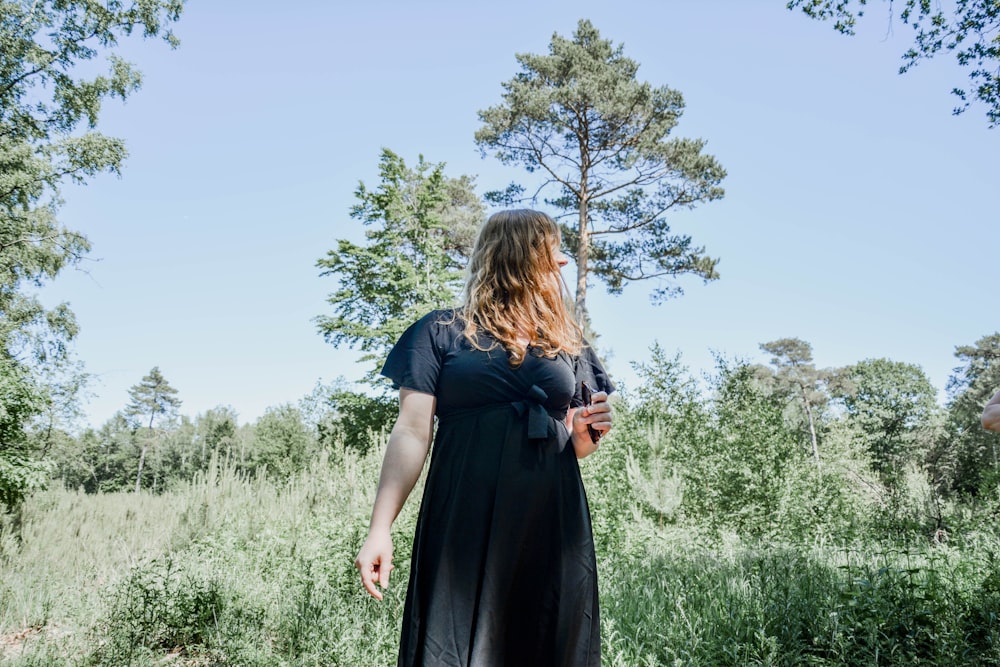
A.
pixel 443 317
pixel 440 323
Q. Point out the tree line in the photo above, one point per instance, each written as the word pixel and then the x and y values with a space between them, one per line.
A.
pixel 149 446
pixel 599 149
pixel 777 448
pixel 788 448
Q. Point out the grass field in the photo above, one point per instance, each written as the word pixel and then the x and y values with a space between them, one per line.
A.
pixel 230 570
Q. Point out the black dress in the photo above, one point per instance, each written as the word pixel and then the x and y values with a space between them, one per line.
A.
pixel 503 570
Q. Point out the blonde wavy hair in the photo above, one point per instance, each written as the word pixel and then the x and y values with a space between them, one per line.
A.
pixel 514 287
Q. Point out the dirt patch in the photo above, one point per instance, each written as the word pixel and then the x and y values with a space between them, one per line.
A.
pixel 12 644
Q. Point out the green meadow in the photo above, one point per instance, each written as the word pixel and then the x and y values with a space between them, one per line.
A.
pixel 234 568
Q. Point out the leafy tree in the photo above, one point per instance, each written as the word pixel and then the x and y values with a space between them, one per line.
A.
pixel 968 28
pixel 177 455
pixel 74 459
pixel 49 106
pixel 796 376
pixel 672 421
pixel 739 478
pixel 666 388
pixel 153 397
pixel 188 446
pixel 420 226
pixel 317 409
pixel 105 459
pixel 20 400
pixel 600 138
pixel 340 416
pixel 968 460
pixel 281 442
pixel 102 460
pixel 215 431
pixel 893 409
pixel 64 384
pixel 732 461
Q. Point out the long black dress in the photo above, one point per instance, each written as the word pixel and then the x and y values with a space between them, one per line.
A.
pixel 503 570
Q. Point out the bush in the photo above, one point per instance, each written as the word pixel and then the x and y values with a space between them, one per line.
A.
pixel 158 607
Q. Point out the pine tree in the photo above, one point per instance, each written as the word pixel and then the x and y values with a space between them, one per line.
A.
pixel 152 398
pixel 600 138
pixel 420 226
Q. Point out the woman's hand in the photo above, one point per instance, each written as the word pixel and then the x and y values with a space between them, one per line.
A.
pixel 374 561
pixel 598 415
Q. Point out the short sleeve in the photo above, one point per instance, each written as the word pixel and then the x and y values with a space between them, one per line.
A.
pixel 414 362
pixel 588 368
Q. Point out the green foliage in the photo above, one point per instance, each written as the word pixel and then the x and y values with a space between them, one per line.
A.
pixel 277 445
pixel 600 140
pixel 281 443
pixel 360 416
pixel 189 447
pixel 967 460
pixel 733 457
pixel 106 459
pixel 43 45
pixel 719 540
pixel 797 379
pixel 784 606
pixel 235 570
pixel 732 461
pixel 341 416
pixel 893 411
pixel 420 226
pixel 64 383
pixel 44 103
pixel 153 397
pixel 738 478
pixel 611 494
pixel 664 424
pixel 967 28
pixel 20 400
pixel 668 396
pixel 19 476
pixel 227 569
pixel 157 608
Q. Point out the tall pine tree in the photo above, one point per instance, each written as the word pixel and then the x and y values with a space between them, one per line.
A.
pixel 601 140
pixel 152 398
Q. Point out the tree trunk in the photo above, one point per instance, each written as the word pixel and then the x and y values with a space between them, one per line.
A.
pixel 812 426
pixel 142 454
pixel 142 462
pixel 582 257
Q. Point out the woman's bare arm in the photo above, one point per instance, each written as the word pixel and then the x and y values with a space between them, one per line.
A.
pixel 409 442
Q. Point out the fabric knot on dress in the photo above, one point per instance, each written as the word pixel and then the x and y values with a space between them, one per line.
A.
pixel 539 418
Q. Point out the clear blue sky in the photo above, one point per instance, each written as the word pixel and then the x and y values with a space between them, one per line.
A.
pixel 859 214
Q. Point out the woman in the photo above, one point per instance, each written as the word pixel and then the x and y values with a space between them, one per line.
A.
pixel 503 569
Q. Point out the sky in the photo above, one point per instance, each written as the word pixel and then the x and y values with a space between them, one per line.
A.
pixel 859 214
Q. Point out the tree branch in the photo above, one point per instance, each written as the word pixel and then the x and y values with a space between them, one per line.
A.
pixel 643 222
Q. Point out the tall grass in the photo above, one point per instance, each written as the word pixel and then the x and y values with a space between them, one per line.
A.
pixel 117 576
pixel 236 570
pixel 784 606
